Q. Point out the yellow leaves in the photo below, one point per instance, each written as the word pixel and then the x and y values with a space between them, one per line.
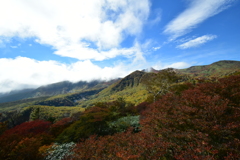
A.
pixel 57 113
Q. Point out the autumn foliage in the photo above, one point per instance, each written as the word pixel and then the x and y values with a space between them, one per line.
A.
pixel 200 123
pixel 193 121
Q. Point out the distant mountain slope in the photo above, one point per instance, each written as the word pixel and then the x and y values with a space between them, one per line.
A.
pixel 15 92
pixel 70 99
pixel 129 87
pixel 217 69
pixel 16 95
pixel 55 89
pixel 132 80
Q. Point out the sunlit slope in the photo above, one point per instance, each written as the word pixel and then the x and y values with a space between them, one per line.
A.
pixel 130 88
pixel 217 69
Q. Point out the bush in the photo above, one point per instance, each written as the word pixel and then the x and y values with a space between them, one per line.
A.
pixel 59 151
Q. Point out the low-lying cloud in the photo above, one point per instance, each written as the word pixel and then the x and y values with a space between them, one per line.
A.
pixel 176 65
pixel 23 72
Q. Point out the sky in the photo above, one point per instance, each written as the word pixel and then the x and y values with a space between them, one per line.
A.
pixel 48 41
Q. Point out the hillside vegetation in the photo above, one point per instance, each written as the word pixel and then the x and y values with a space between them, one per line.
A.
pixel 217 69
pixel 167 114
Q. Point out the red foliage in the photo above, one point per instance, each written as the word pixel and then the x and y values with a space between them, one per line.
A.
pixel 97 113
pixel 28 136
pixel 141 107
pixel 125 146
pixel 59 126
pixel 30 128
pixel 200 123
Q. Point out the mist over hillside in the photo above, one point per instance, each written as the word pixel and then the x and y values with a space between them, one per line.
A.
pixel 217 69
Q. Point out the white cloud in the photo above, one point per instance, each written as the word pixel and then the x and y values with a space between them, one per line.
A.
pixel 176 65
pixel 197 12
pixel 23 72
pixel 156 48
pixel 72 26
pixel 197 41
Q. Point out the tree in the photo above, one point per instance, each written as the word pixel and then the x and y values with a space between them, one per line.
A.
pixel 15 117
pixel 35 115
pixel 159 83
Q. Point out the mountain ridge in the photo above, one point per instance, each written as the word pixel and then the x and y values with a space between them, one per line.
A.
pixel 219 68
pixel 63 87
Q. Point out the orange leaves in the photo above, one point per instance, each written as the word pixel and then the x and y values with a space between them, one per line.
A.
pixel 124 157
pixel 27 148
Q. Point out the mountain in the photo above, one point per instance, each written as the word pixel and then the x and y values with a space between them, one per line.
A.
pixel 217 69
pixel 66 98
pixel 55 89
pixel 132 80
pixel 129 87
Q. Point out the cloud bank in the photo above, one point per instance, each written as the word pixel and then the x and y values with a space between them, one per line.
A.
pixel 197 41
pixel 85 30
pixel 23 72
pixel 197 12
pixel 91 30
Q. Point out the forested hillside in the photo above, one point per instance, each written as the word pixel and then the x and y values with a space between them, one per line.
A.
pixel 146 115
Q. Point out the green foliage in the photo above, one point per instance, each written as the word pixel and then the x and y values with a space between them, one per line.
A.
pixel 35 114
pixel 134 95
pixel 15 117
pixel 17 105
pixel 52 113
pixel 123 123
pixel 93 121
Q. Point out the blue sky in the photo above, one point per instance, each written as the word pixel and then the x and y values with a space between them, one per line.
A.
pixel 48 41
